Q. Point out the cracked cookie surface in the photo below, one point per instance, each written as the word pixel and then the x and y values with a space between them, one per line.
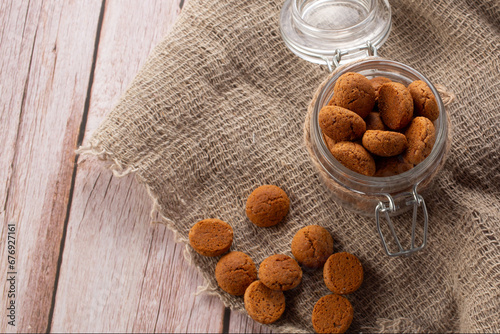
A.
pixel 395 105
pixel 424 102
pixel 343 273
pixel 267 205
pixel 263 304
pixel 340 124
pixel 211 237
pixel 355 157
pixel 355 92
pixel 421 136
pixel 312 246
pixel 332 314
pixel 235 272
pixel 280 272
pixel 384 143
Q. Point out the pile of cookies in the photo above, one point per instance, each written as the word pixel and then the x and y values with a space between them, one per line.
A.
pixel 312 247
pixel 377 127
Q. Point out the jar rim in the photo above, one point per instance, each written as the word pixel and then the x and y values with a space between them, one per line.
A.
pixel 313 29
pixel 379 185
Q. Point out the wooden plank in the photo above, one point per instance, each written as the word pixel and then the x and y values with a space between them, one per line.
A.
pixel 133 275
pixel 47 50
pixel 242 323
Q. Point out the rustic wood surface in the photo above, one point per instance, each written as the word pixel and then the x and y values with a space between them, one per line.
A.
pixel 88 257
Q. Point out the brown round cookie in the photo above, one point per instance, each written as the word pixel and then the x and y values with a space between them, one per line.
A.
pixel 280 272
pixel 424 102
pixel 391 166
pixel 312 246
pixel 377 82
pixel 374 122
pixel 267 205
pixel 332 314
pixel 263 304
pixel 235 272
pixel 355 92
pixel 384 143
pixel 343 273
pixel 355 157
pixel 421 136
pixel 395 105
pixel 211 237
pixel 340 124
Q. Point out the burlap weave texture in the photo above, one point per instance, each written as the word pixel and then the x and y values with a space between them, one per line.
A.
pixel 219 107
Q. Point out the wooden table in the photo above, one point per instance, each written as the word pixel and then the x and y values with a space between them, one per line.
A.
pixel 87 257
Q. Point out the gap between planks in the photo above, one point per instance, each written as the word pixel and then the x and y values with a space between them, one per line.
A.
pixel 73 176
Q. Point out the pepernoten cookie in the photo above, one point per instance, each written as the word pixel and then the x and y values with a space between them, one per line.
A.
pixel 280 272
pixel 355 92
pixel 395 105
pixel 424 102
pixel 332 314
pixel 263 304
pixel 235 272
pixel 392 166
pixel 340 124
pixel 267 205
pixel 312 246
pixel 343 273
pixel 354 157
pixel 374 122
pixel 384 143
pixel 377 82
pixel 211 237
pixel 421 136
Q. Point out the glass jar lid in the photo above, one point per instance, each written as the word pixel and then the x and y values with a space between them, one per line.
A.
pixel 335 31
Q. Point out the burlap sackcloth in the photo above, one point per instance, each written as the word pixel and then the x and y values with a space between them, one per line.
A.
pixel 219 107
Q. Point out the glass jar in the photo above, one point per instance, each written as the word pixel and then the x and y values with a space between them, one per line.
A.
pixel 336 32
pixel 324 31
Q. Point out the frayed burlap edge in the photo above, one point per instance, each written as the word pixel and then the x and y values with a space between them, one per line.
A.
pixel 119 170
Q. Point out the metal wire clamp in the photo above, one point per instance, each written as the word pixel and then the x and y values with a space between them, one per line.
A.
pixel 334 61
pixel 417 201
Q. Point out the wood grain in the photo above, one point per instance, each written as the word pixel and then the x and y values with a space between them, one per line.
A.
pixel 242 323
pixel 132 275
pixel 46 57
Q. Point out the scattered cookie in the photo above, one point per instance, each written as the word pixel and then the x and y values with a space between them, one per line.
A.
pixel 267 205
pixel 280 272
pixel 395 105
pixel 312 246
pixel 354 157
pixel 263 304
pixel 421 136
pixel 391 166
pixel 211 237
pixel 332 314
pixel 343 273
pixel 341 124
pixel 424 102
pixel 355 92
pixel 384 143
pixel 235 272
pixel 377 82
pixel 374 122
